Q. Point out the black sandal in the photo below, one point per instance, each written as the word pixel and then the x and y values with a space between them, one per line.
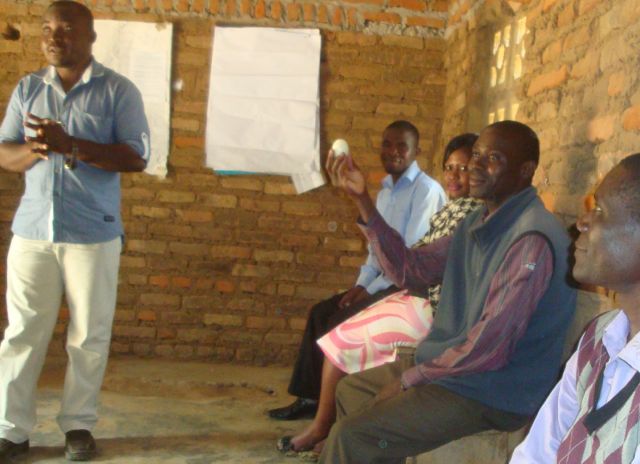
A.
pixel 284 444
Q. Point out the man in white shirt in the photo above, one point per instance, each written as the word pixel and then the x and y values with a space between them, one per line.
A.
pixel 408 199
pixel 592 415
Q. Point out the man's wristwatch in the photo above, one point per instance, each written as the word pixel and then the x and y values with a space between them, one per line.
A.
pixel 71 161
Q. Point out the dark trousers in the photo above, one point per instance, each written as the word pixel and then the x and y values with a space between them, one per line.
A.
pixel 324 316
pixel 413 422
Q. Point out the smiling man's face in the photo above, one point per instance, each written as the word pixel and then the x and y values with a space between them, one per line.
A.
pixel 606 251
pixel 399 149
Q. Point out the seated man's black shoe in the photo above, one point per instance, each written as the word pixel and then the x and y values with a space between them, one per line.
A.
pixel 9 449
pixel 302 408
pixel 79 445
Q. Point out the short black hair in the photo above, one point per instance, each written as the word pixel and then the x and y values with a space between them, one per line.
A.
pixel 530 145
pixel 82 10
pixel 407 127
pixel 629 187
pixel 456 143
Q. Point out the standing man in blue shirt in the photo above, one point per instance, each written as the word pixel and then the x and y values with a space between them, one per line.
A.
pixel 408 199
pixel 71 128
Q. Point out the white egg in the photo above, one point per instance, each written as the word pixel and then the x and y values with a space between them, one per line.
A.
pixel 340 147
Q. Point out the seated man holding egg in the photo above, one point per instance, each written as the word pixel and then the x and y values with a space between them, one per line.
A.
pixel 408 199
pixel 374 335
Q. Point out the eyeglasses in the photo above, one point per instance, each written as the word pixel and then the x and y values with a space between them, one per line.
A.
pixel 456 167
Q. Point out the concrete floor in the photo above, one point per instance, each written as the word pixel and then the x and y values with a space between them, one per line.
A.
pixel 165 412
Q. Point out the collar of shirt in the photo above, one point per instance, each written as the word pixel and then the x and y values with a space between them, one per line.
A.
pixel 409 174
pixel 51 78
pixel 615 342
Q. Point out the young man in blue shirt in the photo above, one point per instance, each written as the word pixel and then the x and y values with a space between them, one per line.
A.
pixel 70 128
pixel 408 199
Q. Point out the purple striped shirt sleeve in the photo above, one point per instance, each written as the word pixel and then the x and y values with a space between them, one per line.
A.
pixel 513 295
pixel 410 268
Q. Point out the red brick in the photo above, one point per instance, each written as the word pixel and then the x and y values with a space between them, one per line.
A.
pixel 123 315
pixel 160 299
pixel 567 15
pixel 161 281
pixel 214 6
pixel 147 246
pixel 231 252
pixel 273 256
pixel 225 286
pixel 351 261
pixel 548 4
pixel 259 205
pixel 151 212
pixel 286 289
pixel 552 52
pixel 323 14
pixel 146 315
pixel 186 141
pixel 182 6
pixel 342 244
pixel 283 338
pixel 300 208
pixel 181 282
pixel 189 249
pixel 601 128
pixel 134 332
pixel 172 196
pixel 353 17
pixel 245 8
pixel 587 5
pixel 631 118
pixel 219 201
pixel 276 10
pixel 425 21
pixel 381 17
pixel 315 259
pixel 260 10
pixel 548 80
pixel 231 8
pixel 166 333
pixel 309 12
pixel 298 323
pixel 194 215
pixel 259 322
pixel 579 37
pixel 416 5
pixel 197 6
pixel 366 2
pixel 293 12
pixel 242 182
pixel 616 84
pixel 586 67
pixel 249 270
pixel 313 293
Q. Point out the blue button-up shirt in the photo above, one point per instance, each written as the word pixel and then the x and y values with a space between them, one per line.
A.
pixel 407 206
pixel 80 205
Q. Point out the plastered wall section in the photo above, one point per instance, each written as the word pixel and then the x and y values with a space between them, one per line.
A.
pixel 579 91
pixel 226 268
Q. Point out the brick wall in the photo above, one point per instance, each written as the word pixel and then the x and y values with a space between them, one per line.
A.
pixel 226 267
pixel 579 91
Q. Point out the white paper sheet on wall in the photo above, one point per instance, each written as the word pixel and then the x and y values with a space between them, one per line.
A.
pixel 262 113
pixel 142 52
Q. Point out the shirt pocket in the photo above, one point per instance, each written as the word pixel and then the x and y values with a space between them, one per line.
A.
pixel 95 128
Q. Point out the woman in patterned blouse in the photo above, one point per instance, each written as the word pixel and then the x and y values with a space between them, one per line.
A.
pixel 373 336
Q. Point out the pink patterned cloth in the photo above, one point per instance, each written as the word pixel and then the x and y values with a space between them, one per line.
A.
pixel 371 337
